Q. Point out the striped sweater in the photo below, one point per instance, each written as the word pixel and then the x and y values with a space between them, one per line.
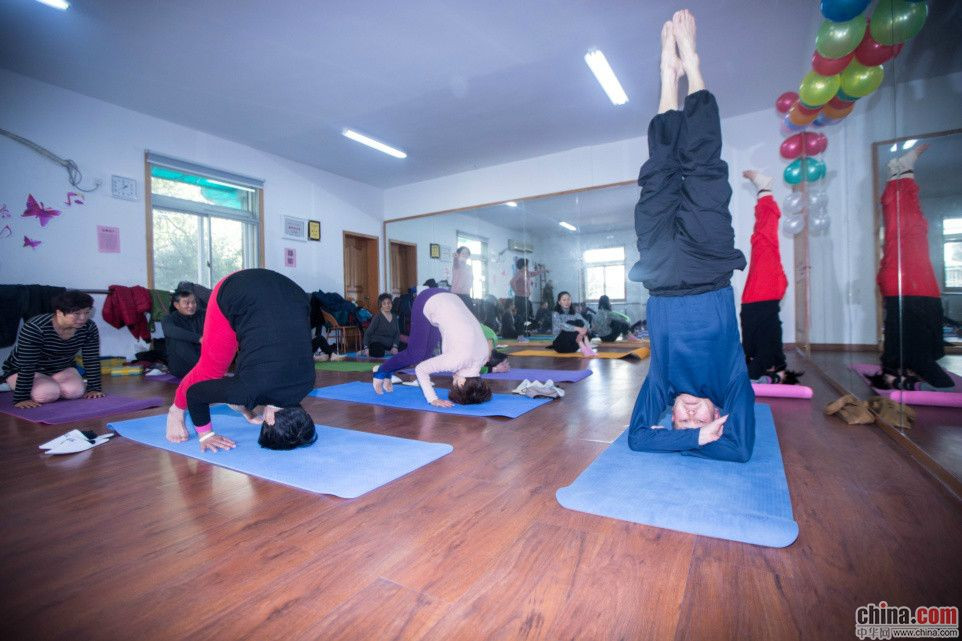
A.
pixel 40 349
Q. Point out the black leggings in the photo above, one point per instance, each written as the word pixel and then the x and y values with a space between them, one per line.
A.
pixel 618 328
pixel 319 342
pixel 762 337
pixel 377 350
pixel 917 341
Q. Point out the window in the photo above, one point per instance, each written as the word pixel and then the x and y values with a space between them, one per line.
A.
pixel 604 273
pixel 478 262
pixel 952 252
pixel 205 224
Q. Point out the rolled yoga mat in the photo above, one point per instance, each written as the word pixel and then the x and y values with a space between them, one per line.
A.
pixel 747 502
pixel 782 391
pixel 640 352
pixel 949 397
pixel 81 409
pixel 342 462
pixel 163 378
pixel 344 366
pixel 520 374
pixel 411 398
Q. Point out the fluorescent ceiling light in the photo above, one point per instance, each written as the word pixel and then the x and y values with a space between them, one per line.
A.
pixel 606 77
pixel 568 226
pixel 894 147
pixel 908 144
pixel 374 144
pixel 511 203
pixel 63 5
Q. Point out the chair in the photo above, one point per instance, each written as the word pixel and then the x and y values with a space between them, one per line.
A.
pixel 342 335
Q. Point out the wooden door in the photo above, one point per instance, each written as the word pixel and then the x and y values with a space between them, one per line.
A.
pixel 361 270
pixel 404 266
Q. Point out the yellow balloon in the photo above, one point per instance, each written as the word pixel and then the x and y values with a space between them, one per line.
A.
pixel 817 89
pixel 859 80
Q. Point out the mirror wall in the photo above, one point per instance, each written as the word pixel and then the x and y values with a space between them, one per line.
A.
pixel 834 312
pixel 884 276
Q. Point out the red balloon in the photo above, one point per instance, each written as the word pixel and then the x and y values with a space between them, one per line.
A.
pixel 785 101
pixel 830 66
pixel 791 147
pixel 814 143
pixel 871 54
pixel 805 109
pixel 838 103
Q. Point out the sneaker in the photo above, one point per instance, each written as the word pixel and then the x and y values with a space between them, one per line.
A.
pixel 337 357
pixel 596 340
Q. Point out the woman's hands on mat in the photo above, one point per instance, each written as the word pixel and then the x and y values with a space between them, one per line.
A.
pixel 212 442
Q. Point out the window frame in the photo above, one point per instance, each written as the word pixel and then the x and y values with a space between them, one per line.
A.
pixel 255 220
pixel 946 239
pixel 604 264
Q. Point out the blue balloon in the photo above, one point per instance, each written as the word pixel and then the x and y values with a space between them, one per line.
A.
pixel 844 96
pixel 843 10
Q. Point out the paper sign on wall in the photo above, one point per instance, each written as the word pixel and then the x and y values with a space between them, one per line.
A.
pixel 108 240
pixel 290 257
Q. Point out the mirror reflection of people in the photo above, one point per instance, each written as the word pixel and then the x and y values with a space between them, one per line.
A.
pixel 40 369
pixel 542 318
pixel 462 276
pixel 183 330
pixel 382 334
pixel 521 284
pixel 569 328
pixel 764 289
pixel 687 249
pixel 609 325
pixel 263 319
pixel 509 325
pixel 438 316
pixel 912 333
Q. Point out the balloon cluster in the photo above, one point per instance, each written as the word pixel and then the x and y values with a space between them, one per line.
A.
pixel 850 50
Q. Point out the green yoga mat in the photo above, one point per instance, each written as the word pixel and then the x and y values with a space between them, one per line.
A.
pixel 344 366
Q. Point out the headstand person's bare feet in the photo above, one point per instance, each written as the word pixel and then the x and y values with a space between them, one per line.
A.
pixel 762 182
pixel 671 69
pixel 684 26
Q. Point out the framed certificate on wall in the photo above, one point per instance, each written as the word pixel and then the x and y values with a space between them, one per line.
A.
pixel 295 228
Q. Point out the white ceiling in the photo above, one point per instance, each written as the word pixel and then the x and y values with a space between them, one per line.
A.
pixel 458 84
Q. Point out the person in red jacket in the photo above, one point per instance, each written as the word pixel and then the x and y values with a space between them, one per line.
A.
pixel 764 289
pixel 912 330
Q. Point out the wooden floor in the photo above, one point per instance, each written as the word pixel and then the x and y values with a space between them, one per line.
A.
pixel 130 542
pixel 936 430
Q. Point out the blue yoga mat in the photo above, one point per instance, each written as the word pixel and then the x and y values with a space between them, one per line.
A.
pixel 342 462
pixel 747 502
pixel 411 398
pixel 520 374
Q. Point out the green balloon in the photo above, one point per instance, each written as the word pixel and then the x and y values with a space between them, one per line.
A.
pixel 814 169
pixel 793 173
pixel 859 80
pixel 895 21
pixel 838 39
pixel 816 89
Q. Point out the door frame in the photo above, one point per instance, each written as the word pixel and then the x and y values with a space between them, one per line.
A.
pixel 376 263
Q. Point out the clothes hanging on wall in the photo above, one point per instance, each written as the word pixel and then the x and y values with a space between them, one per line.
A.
pixel 128 306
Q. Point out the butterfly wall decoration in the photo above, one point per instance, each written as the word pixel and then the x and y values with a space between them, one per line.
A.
pixel 29 242
pixel 73 198
pixel 39 210
pixel 6 232
pixel 4 211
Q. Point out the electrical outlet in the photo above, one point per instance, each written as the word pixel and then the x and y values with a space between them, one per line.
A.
pixel 123 188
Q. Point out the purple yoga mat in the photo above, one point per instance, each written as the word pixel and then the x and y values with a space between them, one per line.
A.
pixel 948 397
pixel 164 378
pixel 520 374
pixel 81 409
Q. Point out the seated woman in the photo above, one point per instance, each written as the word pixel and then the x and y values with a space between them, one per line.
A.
pixel 509 327
pixel 687 249
pixel 609 325
pixel 570 329
pixel 913 339
pixel 183 329
pixel 764 288
pixel 262 318
pixel 382 335
pixel 440 316
pixel 542 319
pixel 40 369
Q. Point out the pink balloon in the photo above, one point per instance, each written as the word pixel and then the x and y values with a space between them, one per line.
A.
pixel 814 143
pixel 785 101
pixel 791 147
pixel 830 66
